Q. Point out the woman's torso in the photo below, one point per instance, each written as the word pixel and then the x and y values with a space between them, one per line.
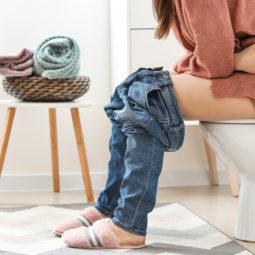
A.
pixel 243 22
pixel 242 13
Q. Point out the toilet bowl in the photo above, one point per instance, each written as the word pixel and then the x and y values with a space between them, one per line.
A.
pixel 234 143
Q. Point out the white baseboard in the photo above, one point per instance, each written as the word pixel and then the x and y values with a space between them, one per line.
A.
pixel 73 181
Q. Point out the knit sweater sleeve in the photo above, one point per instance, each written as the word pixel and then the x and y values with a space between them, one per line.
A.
pixel 211 28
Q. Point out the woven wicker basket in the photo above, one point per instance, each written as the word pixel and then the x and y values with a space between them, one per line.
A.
pixel 40 89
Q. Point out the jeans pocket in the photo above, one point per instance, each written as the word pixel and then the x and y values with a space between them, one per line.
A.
pixel 177 128
pixel 154 102
pixel 175 135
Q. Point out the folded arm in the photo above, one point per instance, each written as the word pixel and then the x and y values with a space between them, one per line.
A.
pixel 245 60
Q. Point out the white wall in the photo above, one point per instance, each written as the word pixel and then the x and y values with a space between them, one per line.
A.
pixel 25 24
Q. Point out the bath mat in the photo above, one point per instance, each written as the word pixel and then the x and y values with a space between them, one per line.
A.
pixel 172 230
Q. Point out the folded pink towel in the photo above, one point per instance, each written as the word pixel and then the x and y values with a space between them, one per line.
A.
pixel 19 65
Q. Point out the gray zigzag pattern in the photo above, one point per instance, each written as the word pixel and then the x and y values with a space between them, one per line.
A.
pixel 8 253
pixel 28 239
pixel 229 248
pixel 193 233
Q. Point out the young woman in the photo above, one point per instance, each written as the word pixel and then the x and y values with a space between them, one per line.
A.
pixel 214 81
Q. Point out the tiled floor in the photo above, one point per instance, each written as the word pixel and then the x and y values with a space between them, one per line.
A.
pixel 214 204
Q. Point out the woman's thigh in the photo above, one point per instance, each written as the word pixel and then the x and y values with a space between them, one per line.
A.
pixel 197 102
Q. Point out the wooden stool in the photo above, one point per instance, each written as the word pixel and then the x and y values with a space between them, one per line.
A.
pixel 233 180
pixel 74 106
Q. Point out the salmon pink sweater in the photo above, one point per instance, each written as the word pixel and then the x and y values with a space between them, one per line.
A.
pixel 212 31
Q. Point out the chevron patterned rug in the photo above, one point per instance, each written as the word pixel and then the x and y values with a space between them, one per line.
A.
pixel 172 230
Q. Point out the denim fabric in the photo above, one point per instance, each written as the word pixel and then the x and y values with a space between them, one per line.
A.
pixel 146 122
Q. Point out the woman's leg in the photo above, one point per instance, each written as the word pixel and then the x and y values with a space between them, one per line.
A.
pixel 108 198
pixel 197 102
pixel 143 158
pixel 143 162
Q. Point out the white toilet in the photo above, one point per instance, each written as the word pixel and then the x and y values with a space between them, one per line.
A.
pixel 234 143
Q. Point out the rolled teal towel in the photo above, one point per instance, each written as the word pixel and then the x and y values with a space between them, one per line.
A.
pixel 57 57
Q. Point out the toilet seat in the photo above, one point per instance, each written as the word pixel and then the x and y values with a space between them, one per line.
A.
pixel 237 121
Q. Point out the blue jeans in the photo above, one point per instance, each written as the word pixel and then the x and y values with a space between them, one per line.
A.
pixel 146 122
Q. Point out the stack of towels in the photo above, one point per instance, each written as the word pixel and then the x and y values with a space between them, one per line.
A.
pixel 19 65
pixel 55 57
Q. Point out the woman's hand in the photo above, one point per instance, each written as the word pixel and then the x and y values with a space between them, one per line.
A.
pixel 245 60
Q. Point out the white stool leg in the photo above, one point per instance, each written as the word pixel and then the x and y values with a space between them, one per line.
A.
pixel 54 149
pixel 6 135
pixel 82 154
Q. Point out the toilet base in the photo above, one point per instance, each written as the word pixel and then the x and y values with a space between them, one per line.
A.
pixel 245 221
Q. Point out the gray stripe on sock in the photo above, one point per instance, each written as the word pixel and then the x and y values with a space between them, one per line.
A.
pixel 93 238
pixel 89 237
pixel 83 221
pixel 97 238
pixel 90 223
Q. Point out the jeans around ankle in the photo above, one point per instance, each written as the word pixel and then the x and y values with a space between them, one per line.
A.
pixel 146 122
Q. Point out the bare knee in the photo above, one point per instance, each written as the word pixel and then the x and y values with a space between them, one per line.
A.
pixel 172 72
